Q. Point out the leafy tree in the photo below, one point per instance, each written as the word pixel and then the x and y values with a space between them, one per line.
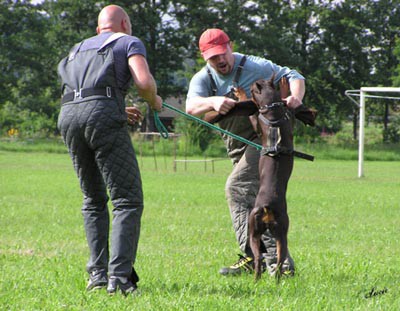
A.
pixel 396 75
pixel 337 45
pixel 385 26
pixel 24 62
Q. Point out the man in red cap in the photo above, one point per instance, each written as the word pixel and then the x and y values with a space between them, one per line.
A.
pixel 211 89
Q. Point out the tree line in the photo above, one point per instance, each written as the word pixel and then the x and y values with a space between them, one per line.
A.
pixel 336 45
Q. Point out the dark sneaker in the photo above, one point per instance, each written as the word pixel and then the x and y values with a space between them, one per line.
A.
pixel 289 267
pixel 97 280
pixel 244 264
pixel 122 284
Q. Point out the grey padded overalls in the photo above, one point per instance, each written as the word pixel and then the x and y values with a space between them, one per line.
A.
pixel 94 128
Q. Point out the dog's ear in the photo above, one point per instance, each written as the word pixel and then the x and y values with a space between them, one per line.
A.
pixel 257 87
pixel 240 93
pixel 284 87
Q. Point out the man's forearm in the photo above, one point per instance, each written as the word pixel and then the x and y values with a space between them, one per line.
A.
pixel 148 91
pixel 298 88
pixel 199 105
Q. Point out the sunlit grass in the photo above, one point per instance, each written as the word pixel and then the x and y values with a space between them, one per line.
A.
pixel 343 236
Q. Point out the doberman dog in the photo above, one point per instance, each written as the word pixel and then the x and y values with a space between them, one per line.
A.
pixel 275 167
pixel 275 125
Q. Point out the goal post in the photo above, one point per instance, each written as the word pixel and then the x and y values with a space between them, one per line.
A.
pixel 363 93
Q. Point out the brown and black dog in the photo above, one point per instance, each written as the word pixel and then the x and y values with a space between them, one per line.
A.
pixel 275 167
pixel 275 125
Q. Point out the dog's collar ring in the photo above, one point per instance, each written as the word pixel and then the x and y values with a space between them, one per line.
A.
pixel 272 106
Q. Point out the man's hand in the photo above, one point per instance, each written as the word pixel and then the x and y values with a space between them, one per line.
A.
pixel 297 89
pixel 157 105
pixel 223 104
pixel 134 115
pixel 293 102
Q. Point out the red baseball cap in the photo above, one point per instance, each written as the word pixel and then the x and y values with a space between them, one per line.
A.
pixel 213 42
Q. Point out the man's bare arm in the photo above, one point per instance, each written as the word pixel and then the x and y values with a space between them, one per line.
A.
pixel 144 81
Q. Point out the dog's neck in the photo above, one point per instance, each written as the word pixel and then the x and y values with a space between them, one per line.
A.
pixel 273 113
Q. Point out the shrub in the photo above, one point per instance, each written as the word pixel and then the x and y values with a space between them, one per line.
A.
pixel 392 133
pixel 197 135
pixel 27 123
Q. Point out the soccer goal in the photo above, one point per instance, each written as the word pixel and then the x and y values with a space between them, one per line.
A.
pixel 363 93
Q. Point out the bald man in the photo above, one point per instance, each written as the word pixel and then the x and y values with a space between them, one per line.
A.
pixel 93 121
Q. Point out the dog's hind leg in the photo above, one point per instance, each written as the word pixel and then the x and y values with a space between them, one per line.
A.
pixel 281 231
pixel 256 228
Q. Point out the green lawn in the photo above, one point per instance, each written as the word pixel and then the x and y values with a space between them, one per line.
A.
pixel 343 236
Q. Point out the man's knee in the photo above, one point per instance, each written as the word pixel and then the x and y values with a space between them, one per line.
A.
pixel 98 203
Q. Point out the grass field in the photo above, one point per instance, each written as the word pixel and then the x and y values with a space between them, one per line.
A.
pixel 343 237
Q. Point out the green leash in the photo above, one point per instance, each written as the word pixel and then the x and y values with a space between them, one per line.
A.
pixel 160 126
pixel 164 132
pixel 216 128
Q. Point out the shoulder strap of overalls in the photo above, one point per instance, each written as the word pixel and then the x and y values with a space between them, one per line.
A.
pixel 213 85
pixel 74 51
pixel 112 38
pixel 235 79
pixel 239 71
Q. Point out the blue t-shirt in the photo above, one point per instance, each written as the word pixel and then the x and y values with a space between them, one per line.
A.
pixel 254 69
pixel 123 48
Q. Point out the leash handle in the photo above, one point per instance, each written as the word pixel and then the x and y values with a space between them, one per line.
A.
pixel 302 155
pixel 160 126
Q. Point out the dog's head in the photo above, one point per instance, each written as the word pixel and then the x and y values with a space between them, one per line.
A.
pixel 263 92
pixel 264 95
